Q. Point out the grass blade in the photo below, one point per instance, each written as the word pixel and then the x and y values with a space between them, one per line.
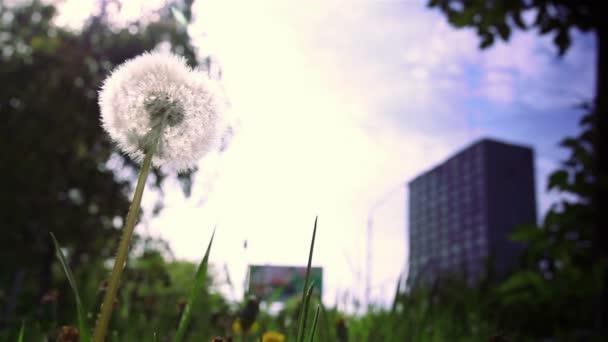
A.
pixel 21 332
pixel 199 282
pixel 324 326
pixel 84 331
pixel 396 299
pixel 304 311
pixel 276 294
pixel 389 329
pixel 314 324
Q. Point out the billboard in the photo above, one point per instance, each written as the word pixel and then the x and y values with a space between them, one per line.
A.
pixel 279 283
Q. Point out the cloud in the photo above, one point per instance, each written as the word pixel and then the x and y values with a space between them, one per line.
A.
pixel 340 103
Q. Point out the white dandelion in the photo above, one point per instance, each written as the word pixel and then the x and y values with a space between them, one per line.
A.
pixel 155 103
pixel 160 112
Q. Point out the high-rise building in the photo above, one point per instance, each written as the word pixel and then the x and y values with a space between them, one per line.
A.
pixel 462 210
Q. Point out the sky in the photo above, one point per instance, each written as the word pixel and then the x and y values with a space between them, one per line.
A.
pixel 336 105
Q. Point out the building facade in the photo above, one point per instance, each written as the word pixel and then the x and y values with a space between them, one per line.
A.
pixel 461 212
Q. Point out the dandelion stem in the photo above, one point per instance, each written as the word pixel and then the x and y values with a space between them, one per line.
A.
pixel 123 251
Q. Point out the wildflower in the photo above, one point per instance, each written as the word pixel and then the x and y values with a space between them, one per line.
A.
pixel 49 306
pixel 245 323
pixel 273 336
pixel 249 313
pixel 238 329
pixel 68 334
pixel 155 103
pixel 342 330
pixel 160 112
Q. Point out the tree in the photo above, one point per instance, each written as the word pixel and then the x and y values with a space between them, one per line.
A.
pixel 552 294
pixel 495 19
pixel 54 165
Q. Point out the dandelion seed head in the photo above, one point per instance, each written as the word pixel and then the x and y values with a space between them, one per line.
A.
pixel 156 99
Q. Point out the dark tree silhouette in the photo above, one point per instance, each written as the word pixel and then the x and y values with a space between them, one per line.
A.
pixel 53 164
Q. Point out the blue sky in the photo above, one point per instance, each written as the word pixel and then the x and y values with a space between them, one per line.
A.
pixel 338 103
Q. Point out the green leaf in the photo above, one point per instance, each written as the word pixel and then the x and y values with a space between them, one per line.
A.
pixel 199 282
pixel 518 20
pixel 179 16
pixel 588 119
pixel 304 311
pixel 21 332
pixel 548 25
pixel 527 282
pixel 562 40
pixel 396 299
pixel 432 3
pixel 558 179
pixel 461 19
pixel 504 31
pixel 84 331
pixel 487 39
pixel 314 324
pixel 306 297
pixel 570 143
pixel 541 14
pixel 526 233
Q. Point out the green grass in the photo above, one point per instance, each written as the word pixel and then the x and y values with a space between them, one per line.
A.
pixel 195 293
pixel 453 312
pixel 315 320
pixel 82 327
pixel 21 333
pixel 306 294
pixel 409 317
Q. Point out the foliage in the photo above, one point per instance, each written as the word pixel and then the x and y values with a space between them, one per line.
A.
pixel 495 19
pixel 155 294
pixel 56 158
pixel 560 281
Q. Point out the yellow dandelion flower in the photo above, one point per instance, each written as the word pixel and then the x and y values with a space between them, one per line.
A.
pixel 255 327
pixel 237 328
pixel 273 336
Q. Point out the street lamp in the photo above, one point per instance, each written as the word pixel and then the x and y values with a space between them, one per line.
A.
pixel 370 228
